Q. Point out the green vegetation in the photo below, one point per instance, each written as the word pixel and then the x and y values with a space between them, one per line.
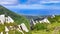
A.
pixel 48 28
pixel 2 28
pixel 18 19
pixel 42 28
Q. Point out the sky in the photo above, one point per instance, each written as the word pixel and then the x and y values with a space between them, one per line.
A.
pixel 33 7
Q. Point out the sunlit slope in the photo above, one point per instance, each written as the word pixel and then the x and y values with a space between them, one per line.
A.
pixel 16 17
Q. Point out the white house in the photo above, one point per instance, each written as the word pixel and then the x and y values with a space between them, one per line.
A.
pixel 45 20
pixel 23 26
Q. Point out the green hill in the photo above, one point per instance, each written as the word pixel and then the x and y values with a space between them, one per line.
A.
pixel 16 17
pixel 43 28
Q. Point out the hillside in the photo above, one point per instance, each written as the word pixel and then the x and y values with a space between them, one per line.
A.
pixel 39 28
pixel 17 18
pixel 45 28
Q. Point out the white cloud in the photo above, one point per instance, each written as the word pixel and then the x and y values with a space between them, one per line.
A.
pixel 21 6
pixel 34 6
pixel 13 2
pixel 49 2
pixel 30 6
pixel 42 1
pixel 7 2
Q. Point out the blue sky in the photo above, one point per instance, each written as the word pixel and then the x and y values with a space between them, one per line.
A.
pixel 33 7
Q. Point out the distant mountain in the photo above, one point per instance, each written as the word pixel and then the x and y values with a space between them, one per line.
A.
pixel 16 17
pixel 49 17
pixel 34 17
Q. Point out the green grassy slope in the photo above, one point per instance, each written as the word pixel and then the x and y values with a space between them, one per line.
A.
pixel 45 28
pixel 17 18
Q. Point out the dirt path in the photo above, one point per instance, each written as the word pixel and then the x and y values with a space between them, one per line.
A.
pixel 57 29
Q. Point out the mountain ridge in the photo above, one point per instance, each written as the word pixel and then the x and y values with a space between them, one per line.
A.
pixel 16 17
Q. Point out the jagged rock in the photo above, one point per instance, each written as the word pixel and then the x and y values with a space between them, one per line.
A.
pixel 23 26
pixel 4 19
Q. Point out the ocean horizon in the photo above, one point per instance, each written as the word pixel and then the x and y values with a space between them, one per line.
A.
pixel 37 12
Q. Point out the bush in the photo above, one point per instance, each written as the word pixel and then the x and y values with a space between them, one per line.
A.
pixel 40 26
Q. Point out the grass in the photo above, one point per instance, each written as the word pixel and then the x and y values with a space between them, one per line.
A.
pixel 2 29
pixel 38 29
pixel 18 19
pixel 41 32
pixel 54 22
pixel 49 30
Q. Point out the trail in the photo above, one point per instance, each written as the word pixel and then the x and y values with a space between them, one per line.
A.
pixel 57 29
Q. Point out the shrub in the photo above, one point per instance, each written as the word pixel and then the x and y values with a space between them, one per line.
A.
pixel 40 26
